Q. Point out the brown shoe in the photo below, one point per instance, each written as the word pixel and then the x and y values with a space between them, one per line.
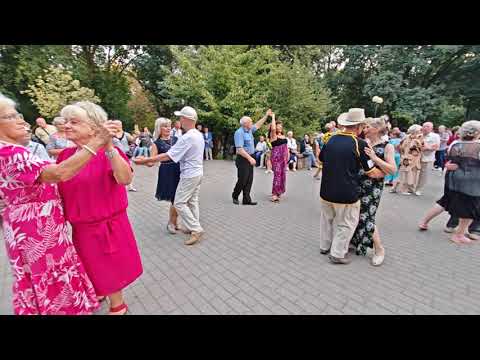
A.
pixel 194 237
pixel 335 260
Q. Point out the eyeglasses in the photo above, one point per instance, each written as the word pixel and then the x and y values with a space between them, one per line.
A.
pixel 12 116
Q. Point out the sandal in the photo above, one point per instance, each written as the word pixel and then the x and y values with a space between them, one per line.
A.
pixel 460 239
pixel 423 227
pixel 119 310
pixel 377 260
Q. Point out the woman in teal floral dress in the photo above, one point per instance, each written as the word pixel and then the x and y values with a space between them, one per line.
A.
pixel 382 155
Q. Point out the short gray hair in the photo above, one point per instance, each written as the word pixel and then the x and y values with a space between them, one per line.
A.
pixel 160 122
pixel 414 128
pixel 378 123
pixel 57 120
pixel 6 101
pixel 86 110
pixel 469 130
pixel 244 119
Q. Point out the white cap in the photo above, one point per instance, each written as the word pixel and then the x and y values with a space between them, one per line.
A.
pixel 187 112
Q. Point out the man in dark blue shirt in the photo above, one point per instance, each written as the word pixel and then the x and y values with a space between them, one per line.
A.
pixel 343 156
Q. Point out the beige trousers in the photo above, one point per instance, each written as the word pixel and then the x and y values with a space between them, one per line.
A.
pixel 187 203
pixel 424 174
pixel 337 226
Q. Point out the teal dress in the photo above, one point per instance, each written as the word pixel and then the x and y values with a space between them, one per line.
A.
pixel 391 178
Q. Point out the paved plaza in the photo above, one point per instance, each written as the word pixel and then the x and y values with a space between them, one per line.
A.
pixel 265 259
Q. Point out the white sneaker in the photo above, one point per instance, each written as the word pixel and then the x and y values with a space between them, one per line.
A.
pixel 418 193
pixel 132 189
pixel 406 193
pixel 449 230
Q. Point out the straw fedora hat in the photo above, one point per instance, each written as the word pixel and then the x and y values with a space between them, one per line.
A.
pixel 353 117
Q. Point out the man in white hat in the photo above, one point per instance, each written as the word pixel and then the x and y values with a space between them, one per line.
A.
pixel 342 157
pixel 188 151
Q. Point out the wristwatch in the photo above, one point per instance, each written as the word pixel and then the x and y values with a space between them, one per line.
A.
pixel 111 154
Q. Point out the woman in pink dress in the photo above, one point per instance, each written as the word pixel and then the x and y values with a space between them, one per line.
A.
pixel 49 278
pixel 279 159
pixel 95 203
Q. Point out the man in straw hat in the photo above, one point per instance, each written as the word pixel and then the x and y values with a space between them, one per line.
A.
pixel 343 157
pixel 188 151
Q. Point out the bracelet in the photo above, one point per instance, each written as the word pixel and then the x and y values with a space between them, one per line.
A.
pixel 89 150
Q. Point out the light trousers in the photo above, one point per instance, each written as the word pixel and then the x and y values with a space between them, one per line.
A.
pixel 424 174
pixel 187 202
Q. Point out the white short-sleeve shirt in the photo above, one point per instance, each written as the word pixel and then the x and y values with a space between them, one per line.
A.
pixel 188 151
pixel 431 139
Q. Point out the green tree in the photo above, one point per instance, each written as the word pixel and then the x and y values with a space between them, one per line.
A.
pixel 55 89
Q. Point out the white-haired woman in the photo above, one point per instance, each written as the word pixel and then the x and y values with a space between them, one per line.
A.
pixel 49 278
pixel 292 147
pixel 96 204
pixel 462 183
pixel 383 155
pixel 410 161
pixel 58 141
pixel 168 172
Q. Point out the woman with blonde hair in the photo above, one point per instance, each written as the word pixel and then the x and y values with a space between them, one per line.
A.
pixel 96 204
pixel 49 277
pixel 168 172
pixel 383 156
pixel 410 161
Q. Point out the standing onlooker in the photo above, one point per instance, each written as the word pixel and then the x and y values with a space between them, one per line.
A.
pixel 454 135
pixel 200 128
pixel 168 172
pixel 279 159
pixel 188 151
pixel 35 148
pixel 58 141
pixel 462 184
pixel 176 132
pixel 244 161
pixel 96 205
pixel 207 136
pixel 122 140
pixel 410 155
pixel 44 130
pixel 431 144
pixel 343 157
pixel 395 141
pixel 306 149
pixel 441 153
pixel 260 150
pixel 268 156
pixel 292 147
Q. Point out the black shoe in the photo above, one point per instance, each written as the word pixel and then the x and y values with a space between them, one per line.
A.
pixel 251 203
pixel 324 252
pixel 235 201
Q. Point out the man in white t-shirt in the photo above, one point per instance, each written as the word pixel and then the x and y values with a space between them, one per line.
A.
pixel 432 144
pixel 188 151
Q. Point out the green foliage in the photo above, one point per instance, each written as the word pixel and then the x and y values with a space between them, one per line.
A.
pixel 55 89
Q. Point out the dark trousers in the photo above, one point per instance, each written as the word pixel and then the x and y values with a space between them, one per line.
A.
pixel 473 228
pixel 245 179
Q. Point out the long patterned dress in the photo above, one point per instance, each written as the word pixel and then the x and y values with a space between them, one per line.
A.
pixel 279 165
pixel 49 278
pixel 370 195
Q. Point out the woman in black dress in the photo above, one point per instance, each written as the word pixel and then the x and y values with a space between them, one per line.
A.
pixel 168 172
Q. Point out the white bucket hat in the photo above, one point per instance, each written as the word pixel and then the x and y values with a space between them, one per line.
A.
pixel 354 116
pixel 187 112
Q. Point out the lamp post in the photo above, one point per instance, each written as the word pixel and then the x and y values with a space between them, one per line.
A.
pixel 377 100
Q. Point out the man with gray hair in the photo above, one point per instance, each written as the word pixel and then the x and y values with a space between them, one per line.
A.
pixel 245 160
pixel 431 145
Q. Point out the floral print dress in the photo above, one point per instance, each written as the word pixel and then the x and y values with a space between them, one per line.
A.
pixel 49 278
pixel 370 195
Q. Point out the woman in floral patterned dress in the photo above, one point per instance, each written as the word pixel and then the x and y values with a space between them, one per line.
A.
pixel 49 278
pixel 279 159
pixel 383 155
